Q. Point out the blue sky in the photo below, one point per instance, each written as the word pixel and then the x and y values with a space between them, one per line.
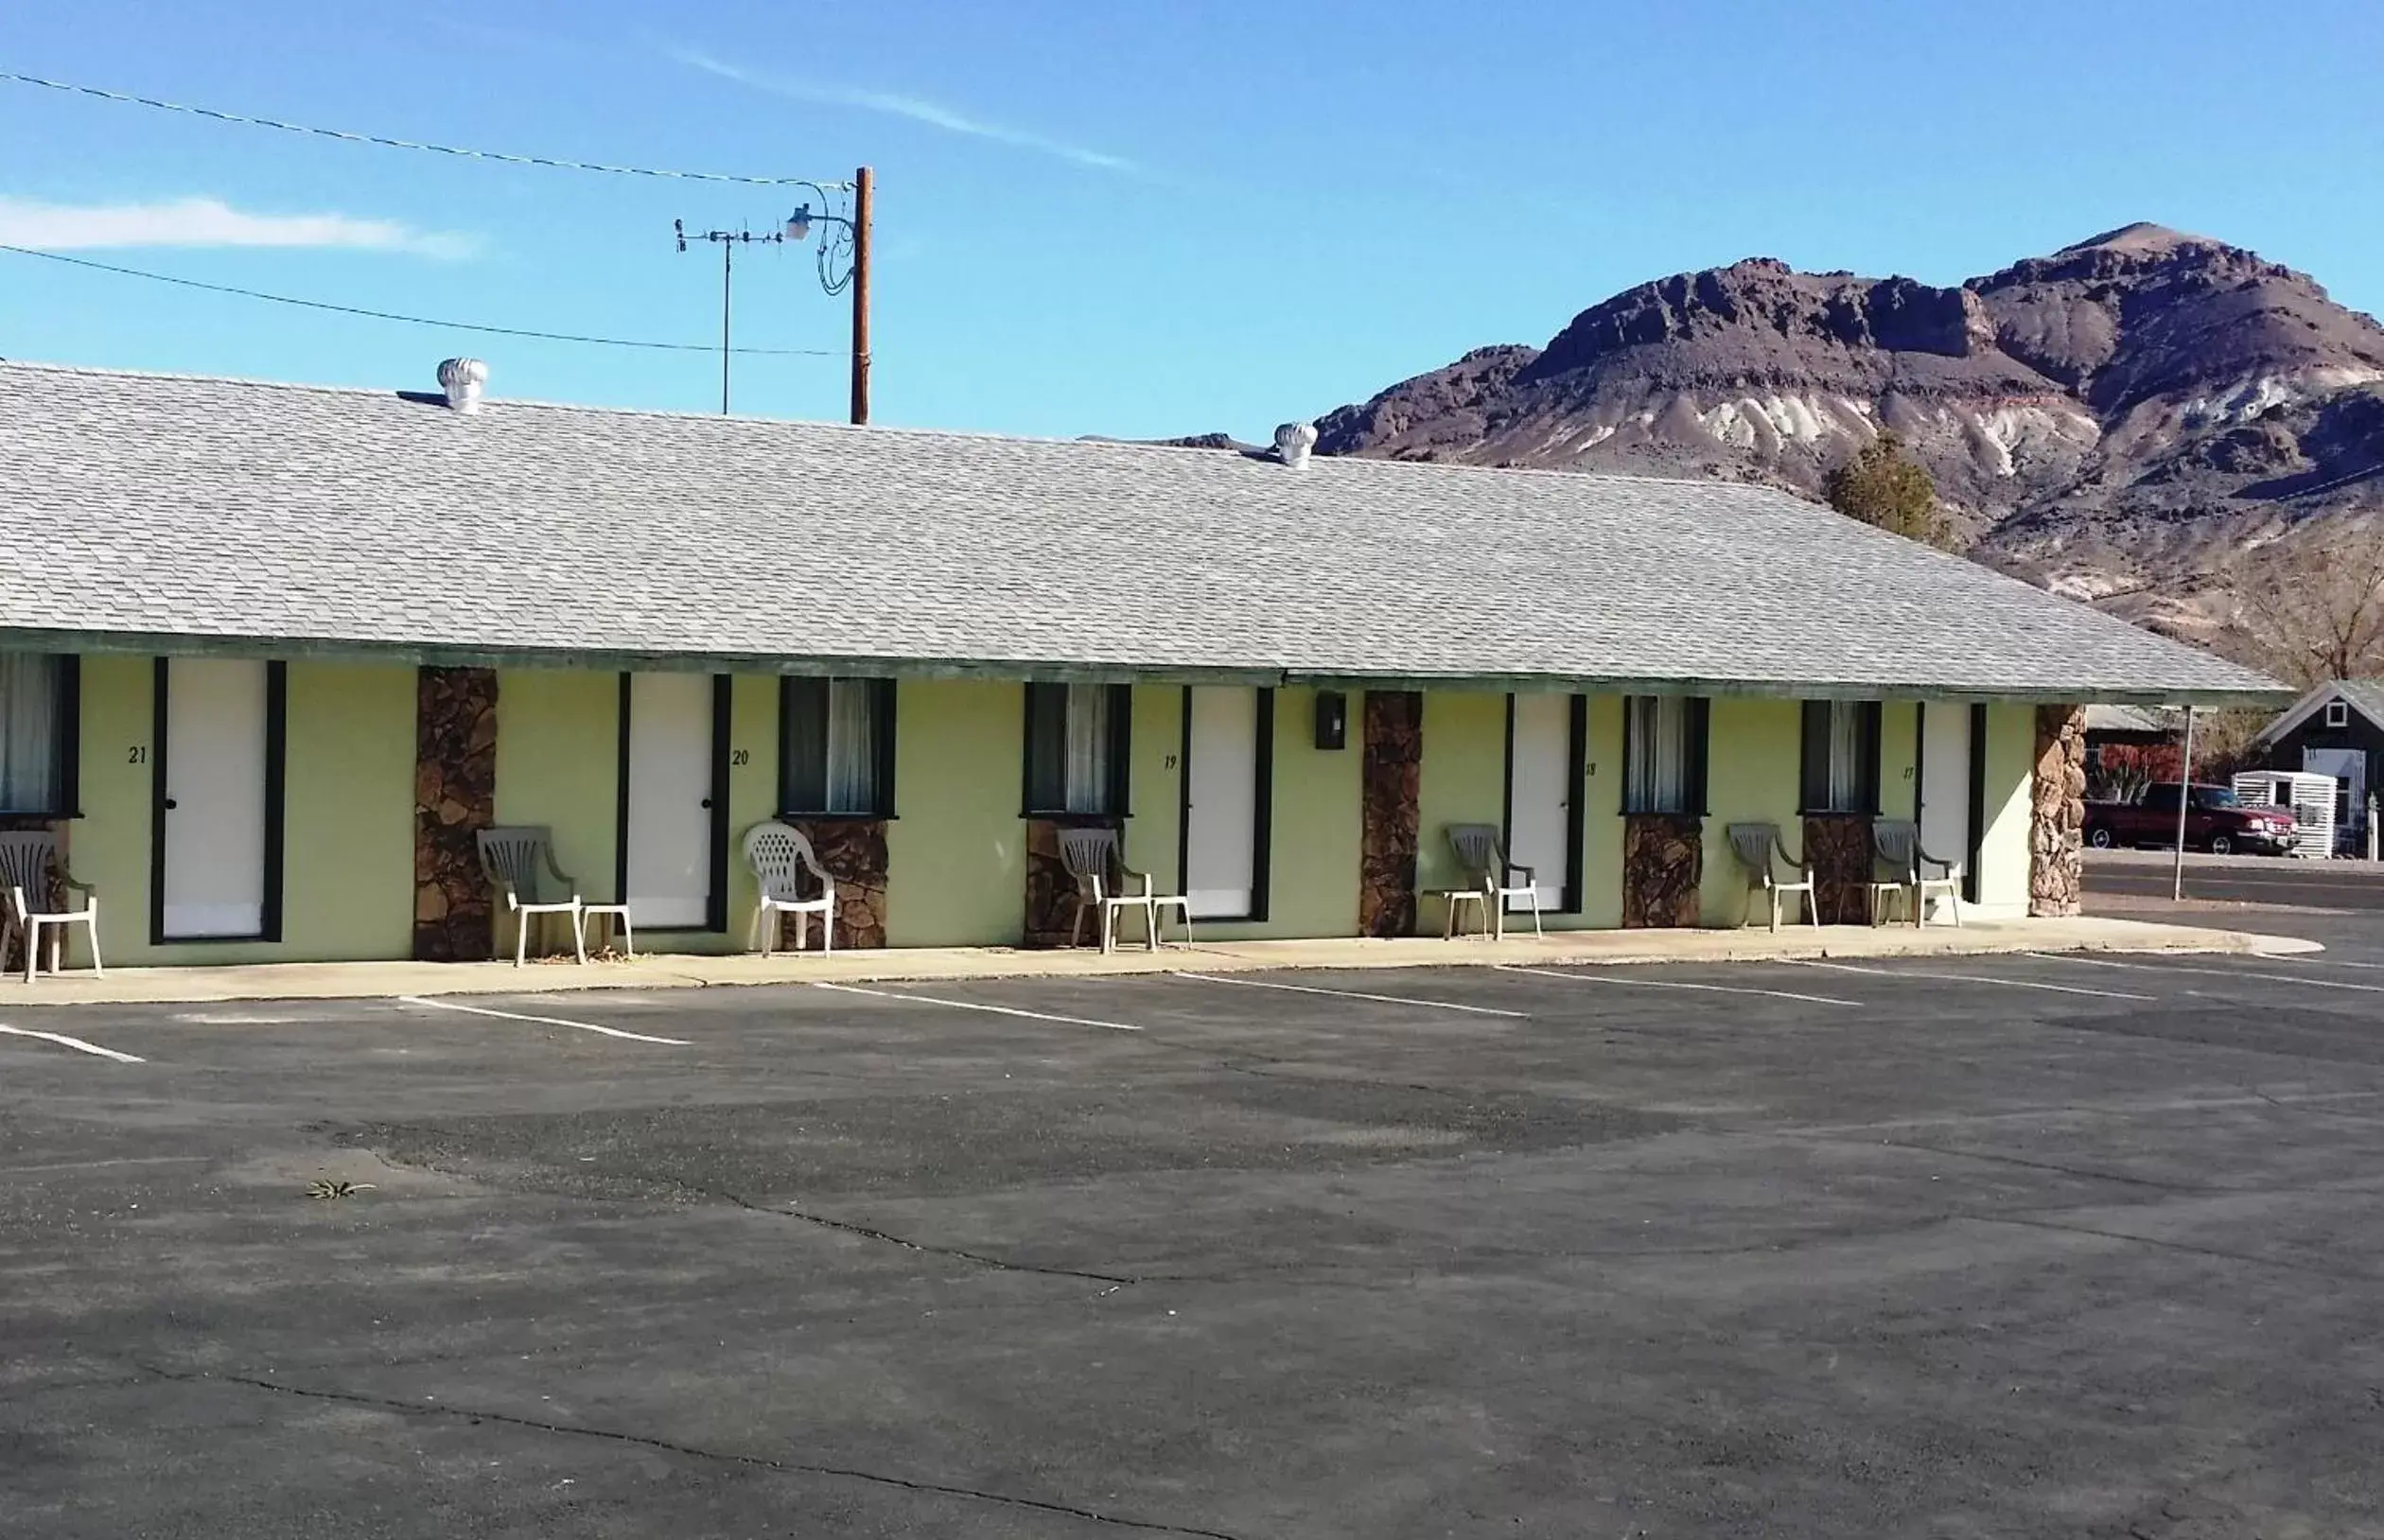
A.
pixel 1132 218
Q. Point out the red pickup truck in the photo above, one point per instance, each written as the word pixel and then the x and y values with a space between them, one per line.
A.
pixel 2215 821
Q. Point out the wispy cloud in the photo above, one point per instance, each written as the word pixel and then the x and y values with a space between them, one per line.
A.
pixel 917 109
pixel 207 221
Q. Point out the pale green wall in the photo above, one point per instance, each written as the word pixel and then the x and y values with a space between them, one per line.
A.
pixel 1899 760
pixel 1155 790
pixel 558 763
pixel 1463 781
pixel 347 868
pixel 1753 770
pixel 957 846
pixel 1312 880
pixel 753 792
pixel 2003 854
pixel 956 849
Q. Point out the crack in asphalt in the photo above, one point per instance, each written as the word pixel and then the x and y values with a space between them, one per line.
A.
pixel 2212 1251
pixel 849 1227
pixel 852 1473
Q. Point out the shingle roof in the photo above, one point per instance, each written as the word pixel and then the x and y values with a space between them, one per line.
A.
pixel 142 507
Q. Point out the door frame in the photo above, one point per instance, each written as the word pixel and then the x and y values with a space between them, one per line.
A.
pixel 1262 805
pixel 716 858
pixel 1575 780
pixel 276 798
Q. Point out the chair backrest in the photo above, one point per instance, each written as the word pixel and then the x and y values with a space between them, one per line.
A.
pixel 1897 843
pixel 1753 844
pixel 1476 847
pixel 1092 855
pixel 517 857
pixel 779 854
pixel 24 868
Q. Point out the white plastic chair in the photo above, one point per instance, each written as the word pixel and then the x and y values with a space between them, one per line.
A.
pixel 781 857
pixel 1756 847
pixel 1094 858
pixel 520 861
pixel 1488 873
pixel 26 860
pixel 1896 842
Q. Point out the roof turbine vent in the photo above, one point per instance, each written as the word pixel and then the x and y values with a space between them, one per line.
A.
pixel 463 379
pixel 1293 441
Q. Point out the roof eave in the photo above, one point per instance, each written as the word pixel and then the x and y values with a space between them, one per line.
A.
pixel 632 660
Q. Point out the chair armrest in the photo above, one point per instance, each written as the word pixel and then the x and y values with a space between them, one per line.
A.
pixel 1140 878
pixel 1529 874
pixel 67 879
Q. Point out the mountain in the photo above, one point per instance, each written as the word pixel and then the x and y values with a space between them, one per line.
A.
pixel 2113 420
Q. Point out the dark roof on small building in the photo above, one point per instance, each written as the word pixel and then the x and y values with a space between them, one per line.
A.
pixel 2365 696
pixel 151 510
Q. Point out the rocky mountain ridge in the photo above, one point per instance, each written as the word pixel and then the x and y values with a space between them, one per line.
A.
pixel 2114 420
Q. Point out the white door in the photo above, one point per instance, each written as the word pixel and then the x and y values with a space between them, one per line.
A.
pixel 1945 781
pixel 670 834
pixel 214 812
pixel 1221 802
pixel 1539 793
pixel 2349 768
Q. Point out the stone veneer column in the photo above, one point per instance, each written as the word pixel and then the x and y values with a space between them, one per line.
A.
pixel 1837 850
pixel 1389 801
pixel 1050 891
pixel 2057 811
pixel 1663 863
pixel 455 797
pixel 854 851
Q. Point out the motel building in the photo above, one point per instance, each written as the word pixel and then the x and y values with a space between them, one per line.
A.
pixel 272 656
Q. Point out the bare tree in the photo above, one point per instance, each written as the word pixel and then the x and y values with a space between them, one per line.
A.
pixel 2312 605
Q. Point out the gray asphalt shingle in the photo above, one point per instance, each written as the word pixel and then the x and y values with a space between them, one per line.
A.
pixel 145 505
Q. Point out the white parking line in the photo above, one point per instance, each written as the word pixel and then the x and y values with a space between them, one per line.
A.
pixel 542 1020
pixel 1973 978
pixel 2304 980
pixel 77 1044
pixel 1677 984
pixel 976 1005
pixel 1354 994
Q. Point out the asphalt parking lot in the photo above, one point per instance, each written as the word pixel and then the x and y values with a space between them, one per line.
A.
pixel 2010 1245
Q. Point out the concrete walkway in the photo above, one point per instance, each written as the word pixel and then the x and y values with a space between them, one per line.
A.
pixel 334 981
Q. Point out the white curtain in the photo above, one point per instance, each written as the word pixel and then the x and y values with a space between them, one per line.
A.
pixel 28 732
pixel 1660 754
pixel 852 746
pixel 1846 757
pixel 1088 748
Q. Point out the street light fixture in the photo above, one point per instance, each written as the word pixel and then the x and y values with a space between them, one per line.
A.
pixel 844 263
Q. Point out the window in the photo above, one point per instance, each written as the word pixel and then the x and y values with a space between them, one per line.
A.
pixel 1077 747
pixel 38 730
pixel 2338 713
pixel 1664 754
pixel 1841 757
pixel 836 748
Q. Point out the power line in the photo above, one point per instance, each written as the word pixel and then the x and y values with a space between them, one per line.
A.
pixel 419 320
pixel 551 163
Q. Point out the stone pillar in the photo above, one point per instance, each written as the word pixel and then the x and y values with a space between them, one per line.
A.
pixel 1837 850
pixel 1050 891
pixel 1389 801
pixel 854 851
pixel 455 797
pixel 2057 811
pixel 1663 862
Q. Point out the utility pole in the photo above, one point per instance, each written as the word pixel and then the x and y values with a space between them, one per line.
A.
pixel 2184 800
pixel 844 263
pixel 861 295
